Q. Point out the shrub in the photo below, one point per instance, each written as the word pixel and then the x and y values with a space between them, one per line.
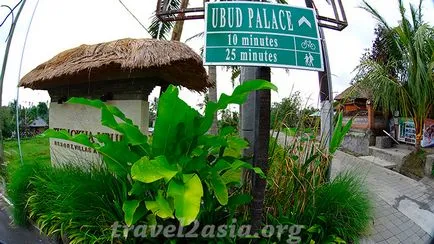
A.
pixel 81 205
pixel 341 207
pixel 18 188
pixel 300 193
pixel 183 174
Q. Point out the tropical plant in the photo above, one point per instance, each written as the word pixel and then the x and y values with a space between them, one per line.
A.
pixel 18 188
pixel 171 177
pixel 404 80
pixel 299 192
pixel 68 201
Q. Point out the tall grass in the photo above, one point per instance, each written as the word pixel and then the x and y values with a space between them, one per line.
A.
pixel 67 201
pixel 19 186
pixel 300 193
pixel 341 207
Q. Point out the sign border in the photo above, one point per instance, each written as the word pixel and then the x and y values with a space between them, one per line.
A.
pixel 262 64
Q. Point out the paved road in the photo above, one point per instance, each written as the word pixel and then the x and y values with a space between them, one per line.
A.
pixel 16 235
pixel 404 208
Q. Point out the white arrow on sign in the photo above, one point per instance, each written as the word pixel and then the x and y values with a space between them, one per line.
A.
pixel 304 20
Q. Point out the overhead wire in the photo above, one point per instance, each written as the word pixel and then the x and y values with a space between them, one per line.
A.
pixel 12 23
pixel 11 12
pixel 138 21
pixel 19 77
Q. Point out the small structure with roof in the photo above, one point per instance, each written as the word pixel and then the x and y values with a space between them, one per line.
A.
pixel 356 103
pixel 122 73
pixel 38 126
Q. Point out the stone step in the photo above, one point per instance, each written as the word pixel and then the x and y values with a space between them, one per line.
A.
pixel 395 155
pixel 380 162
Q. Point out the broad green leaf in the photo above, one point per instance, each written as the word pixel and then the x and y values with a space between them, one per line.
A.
pixel 141 211
pixel 129 208
pixel 219 188
pixel 212 141
pixel 160 206
pixel 196 164
pixel 239 96
pixel 176 126
pixel 221 165
pixel 187 197
pixel 232 176
pixel 241 164
pixel 148 171
pixel 235 146
pixel 238 200
pixel 227 130
pixel 151 220
pixel 132 134
pixel 63 134
pixel 139 189
pixel 117 155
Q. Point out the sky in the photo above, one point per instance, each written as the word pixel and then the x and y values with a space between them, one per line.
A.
pixel 60 24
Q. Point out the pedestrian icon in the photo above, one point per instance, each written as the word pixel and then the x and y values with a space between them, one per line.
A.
pixel 308 59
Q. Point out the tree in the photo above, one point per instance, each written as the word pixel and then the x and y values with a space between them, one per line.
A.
pixel 401 77
pixel 42 111
pixel 228 118
pixel 7 122
pixel 285 113
pixel 153 112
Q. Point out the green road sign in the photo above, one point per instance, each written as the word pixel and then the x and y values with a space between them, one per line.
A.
pixel 261 34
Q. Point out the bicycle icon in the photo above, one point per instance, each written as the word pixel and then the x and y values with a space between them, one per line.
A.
pixel 306 44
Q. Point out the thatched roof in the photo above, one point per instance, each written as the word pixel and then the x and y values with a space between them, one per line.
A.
pixel 38 122
pixel 160 61
pixel 355 92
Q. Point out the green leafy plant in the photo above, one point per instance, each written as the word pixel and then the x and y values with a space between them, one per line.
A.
pixel 19 186
pixel 341 207
pixel 339 133
pixel 67 201
pixel 299 193
pixel 183 165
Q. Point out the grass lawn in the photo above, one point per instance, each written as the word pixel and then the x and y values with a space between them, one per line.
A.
pixel 34 149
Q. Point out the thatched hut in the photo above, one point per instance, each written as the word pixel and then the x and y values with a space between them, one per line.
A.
pixel 353 100
pixel 122 73
pixel 135 64
pixel 357 102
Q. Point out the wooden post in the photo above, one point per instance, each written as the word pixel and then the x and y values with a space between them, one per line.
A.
pixel 371 115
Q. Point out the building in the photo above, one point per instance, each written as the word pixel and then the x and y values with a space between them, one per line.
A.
pixel 38 126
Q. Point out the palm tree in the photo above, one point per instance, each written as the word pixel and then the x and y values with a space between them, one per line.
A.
pixel 159 29
pixel 405 81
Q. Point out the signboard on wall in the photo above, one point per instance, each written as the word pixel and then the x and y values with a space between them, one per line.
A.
pixel 261 34
pixel 407 131
pixel 428 133
pixel 76 119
